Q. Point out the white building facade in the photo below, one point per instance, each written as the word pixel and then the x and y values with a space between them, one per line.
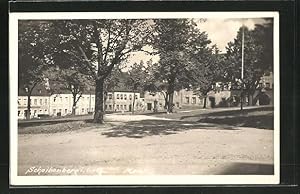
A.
pixel 62 104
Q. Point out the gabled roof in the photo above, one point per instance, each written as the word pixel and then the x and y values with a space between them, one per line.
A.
pixel 38 90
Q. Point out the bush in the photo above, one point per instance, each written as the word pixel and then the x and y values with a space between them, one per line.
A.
pixel 264 99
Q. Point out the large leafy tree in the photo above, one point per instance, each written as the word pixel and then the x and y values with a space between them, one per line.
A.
pixel 98 46
pixel 258 58
pixel 33 46
pixel 154 81
pixel 136 79
pixel 208 69
pixel 71 80
pixel 177 42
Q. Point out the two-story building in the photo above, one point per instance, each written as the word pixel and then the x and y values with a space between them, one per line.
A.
pixel 122 101
pixel 181 99
pixel 39 102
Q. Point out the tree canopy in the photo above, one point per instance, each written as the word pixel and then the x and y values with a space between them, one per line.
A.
pixel 179 43
pixel 258 57
pixel 97 46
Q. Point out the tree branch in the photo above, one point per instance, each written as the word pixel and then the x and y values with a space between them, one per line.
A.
pixel 78 97
pixel 108 43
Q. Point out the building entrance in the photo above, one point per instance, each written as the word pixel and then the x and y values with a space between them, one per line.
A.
pixel 149 106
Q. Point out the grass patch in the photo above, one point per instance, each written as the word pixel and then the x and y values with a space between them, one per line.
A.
pixel 58 127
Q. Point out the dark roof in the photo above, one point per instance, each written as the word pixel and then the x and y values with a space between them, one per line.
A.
pixel 38 90
pixel 57 88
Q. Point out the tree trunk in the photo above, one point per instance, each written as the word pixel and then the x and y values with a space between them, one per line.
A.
pixel 171 94
pixel 204 105
pixel 170 102
pixel 99 103
pixel 242 100
pixel 166 101
pixel 250 99
pixel 74 105
pixel 133 102
pixel 104 101
pixel 28 106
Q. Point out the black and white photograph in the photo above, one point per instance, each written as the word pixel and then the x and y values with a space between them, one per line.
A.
pixel 144 98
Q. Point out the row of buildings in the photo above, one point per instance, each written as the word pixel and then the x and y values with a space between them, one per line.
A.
pixel 45 104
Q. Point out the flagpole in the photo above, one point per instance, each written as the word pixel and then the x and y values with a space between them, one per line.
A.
pixel 242 70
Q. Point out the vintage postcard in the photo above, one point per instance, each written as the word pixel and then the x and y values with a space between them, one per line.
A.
pixel 144 98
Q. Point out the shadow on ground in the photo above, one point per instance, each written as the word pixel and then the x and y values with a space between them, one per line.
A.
pixel 239 168
pixel 261 121
pixel 261 118
pixel 143 128
pixel 42 122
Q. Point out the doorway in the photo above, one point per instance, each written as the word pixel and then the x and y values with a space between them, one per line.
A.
pixel 149 106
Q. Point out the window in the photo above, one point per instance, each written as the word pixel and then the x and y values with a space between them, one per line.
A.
pixel 41 111
pixel 19 113
pixel 117 107
pixel 106 107
pixel 25 101
pixel 121 96
pixel 177 104
pixel 118 97
pixel 187 100
pixel 35 101
pixel 46 102
pixel 93 98
pixel 109 96
pixel 40 91
pixel 60 99
pixel 193 100
pixel 130 97
pixel 136 97
pixel 59 110
pixel 46 110
pixel 41 101
pixel 66 111
pixel 125 97
pixel 110 107
pixel 54 111
pixel 125 107
pixel 66 99
pixel 82 110
pixel 54 99
pixel 200 100
pixel 267 85
pixel 121 107
pixel 92 109
pixel 82 98
pixel 19 101
pixel 34 113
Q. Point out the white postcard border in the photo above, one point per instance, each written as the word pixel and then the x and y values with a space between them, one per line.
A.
pixel 133 179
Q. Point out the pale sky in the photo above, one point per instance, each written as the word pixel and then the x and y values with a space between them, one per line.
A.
pixel 220 31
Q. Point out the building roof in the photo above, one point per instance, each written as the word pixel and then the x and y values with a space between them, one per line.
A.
pixel 38 90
